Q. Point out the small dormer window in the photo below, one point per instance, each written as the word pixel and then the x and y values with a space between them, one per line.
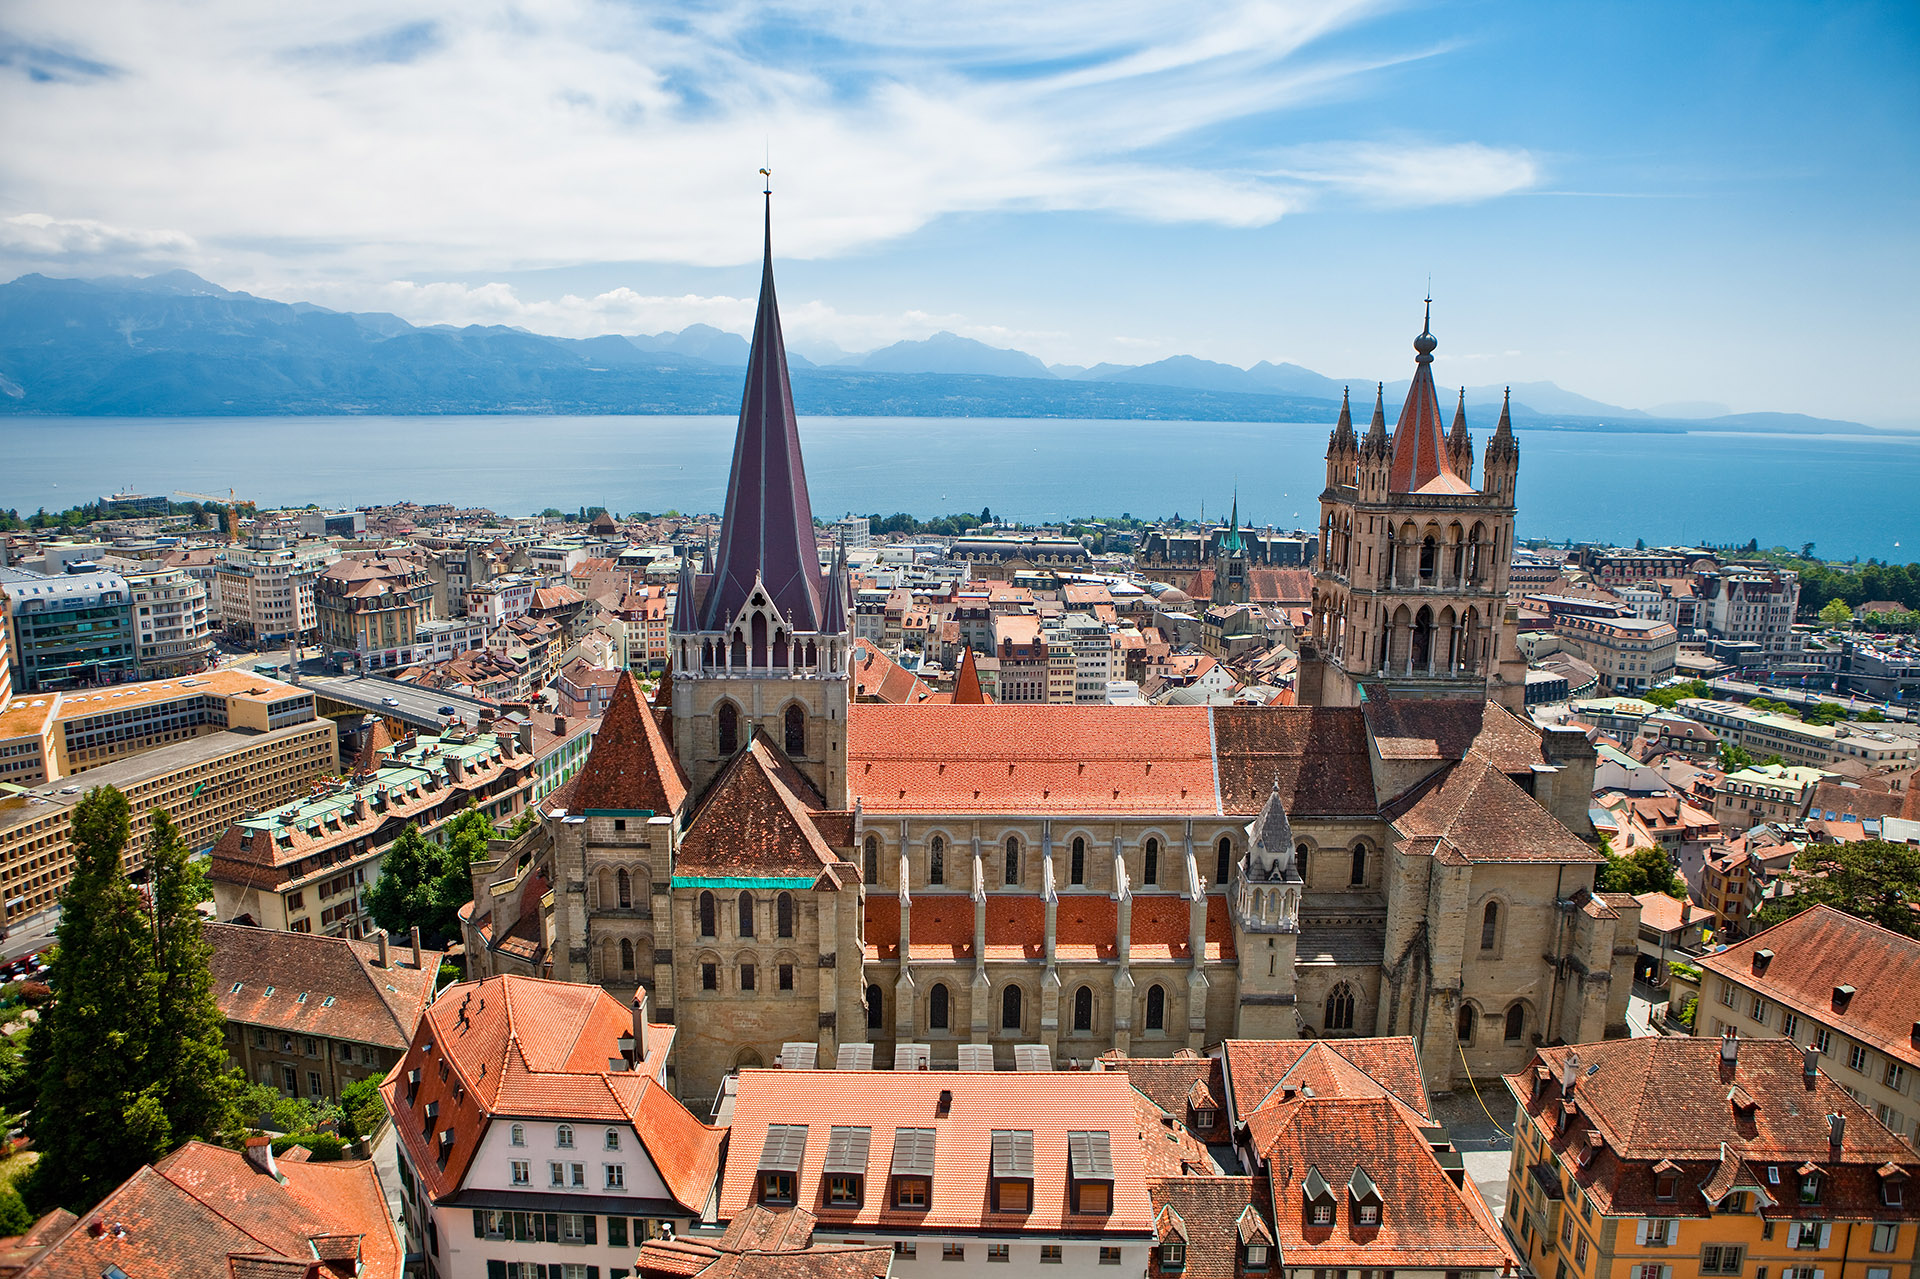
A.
pixel 1090 1171
pixel 1173 1255
pixel 1257 1254
pixel 1369 1214
pixel 1810 1188
pixel 846 1166
pixel 1323 1214
pixel 780 1163
pixel 1011 1167
pixel 1205 1117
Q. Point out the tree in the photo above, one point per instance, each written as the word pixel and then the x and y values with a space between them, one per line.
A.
pixel 189 1058
pixel 99 1115
pixel 15 1217
pixel 1873 878
pixel 1836 613
pixel 1644 870
pixel 1734 758
pixel 363 1107
pixel 423 884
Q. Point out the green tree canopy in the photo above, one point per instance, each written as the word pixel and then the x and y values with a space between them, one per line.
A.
pixel 1873 878
pixel 1734 758
pixel 423 884
pixel 1836 613
pixel 1644 870
pixel 190 1049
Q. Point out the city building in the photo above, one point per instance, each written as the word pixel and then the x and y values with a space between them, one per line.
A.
pixel 971 1167
pixel 71 631
pixel 266 589
pixel 1826 979
pixel 1764 793
pixel 372 608
pixel 1743 873
pixel 205 784
pixel 853 532
pixel 1410 591
pixel 1764 734
pixel 305 866
pixel 173 628
pixel 207 1212
pixel 93 727
pixel 310 1015
pixel 1670 929
pixel 1630 654
pixel 535 1131
pixel 786 864
pixel 1683 1156
pixel 1751 604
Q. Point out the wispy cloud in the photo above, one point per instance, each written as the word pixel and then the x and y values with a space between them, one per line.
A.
pixel 39 235
pixel 400 137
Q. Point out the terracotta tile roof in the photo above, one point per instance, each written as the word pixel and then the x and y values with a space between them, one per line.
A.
pixel 1159 927
pixel 966 683
pixel 1170 1083
pixel 1167 1148
pixel 1440 730
pixel 761 1242
pixel 630 767
pixel 1284 586
pixel 328 987
pixel 1256 1068
pixel 1049 1105
pixel 756 819
pixel 942 926
pixel 883 927
pixel 1031 759
pixel 1668 914
pixel 197 1212
pixel 1317 756
pixel 1210 1211
pixel 877 677
pixel 1650 1101
pixel 1820 949
pixel 519 1047
pixel 1478 812
pixel 1016 926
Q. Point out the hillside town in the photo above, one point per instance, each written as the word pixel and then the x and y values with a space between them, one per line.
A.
pixel 753 893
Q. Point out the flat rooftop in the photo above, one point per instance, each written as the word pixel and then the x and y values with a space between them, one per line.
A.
pixel 242 685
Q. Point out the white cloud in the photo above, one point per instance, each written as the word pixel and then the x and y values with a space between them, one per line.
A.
pixel 42 236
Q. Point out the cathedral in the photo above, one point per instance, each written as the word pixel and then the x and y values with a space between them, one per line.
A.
pixel 785 870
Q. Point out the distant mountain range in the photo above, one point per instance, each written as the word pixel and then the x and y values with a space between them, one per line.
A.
pixel 177 345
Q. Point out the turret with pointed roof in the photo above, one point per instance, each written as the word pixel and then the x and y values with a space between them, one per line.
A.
pixel 966 683
pixel 1460 441
pixel 1420 461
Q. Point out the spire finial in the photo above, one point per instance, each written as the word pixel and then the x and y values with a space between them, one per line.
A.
pixel 1425 343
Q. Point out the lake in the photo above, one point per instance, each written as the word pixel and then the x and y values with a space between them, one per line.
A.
pixel 1850 495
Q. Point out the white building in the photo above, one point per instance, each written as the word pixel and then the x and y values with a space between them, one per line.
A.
pixel 266 589
pixel 173 622
pixel 535 1130
pixel 500 599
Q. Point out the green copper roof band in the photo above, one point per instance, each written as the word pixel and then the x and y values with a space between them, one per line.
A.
pixel 618 812
pixel 743 881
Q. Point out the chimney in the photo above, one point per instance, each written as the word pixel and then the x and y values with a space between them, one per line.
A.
pixel 386 960
pixel 1809 1063
pixel 1836 1130
pixel 559 725
pixel 260 1155
pixel 1730 1046
pixel 1569 1071
pixel 416 945
pixel 1842 996
pixel 642 1034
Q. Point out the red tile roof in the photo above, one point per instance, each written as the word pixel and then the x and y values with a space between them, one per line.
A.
pixel 1211 1212
pixel 761 1242
pixel 195 1213
pixel 328 987
pixel 630 768
pixel 1441 730
pixel 1820 949
pixel 756 820
pixel 1473 811
pixel 877 677
pixel 1256 1068
pixel 1316 755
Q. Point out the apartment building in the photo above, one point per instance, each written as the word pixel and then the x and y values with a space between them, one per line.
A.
pixel 205 783
pixel 1637 1158
pixel 372 608
pixel 304 866
pixel 1764 793
pixel 70 631
pixel 1025 675
pixel 1837 984
pixel 1763 734
pixel 1630 654
pixel 1745 603
pixel 537 1135
pixel 266 589
pixel 1741 874
pixel 172 620
pixel 309 1015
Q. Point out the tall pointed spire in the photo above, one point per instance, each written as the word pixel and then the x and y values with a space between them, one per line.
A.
pixel 1420 461
pixel 1232 543
pixel 1460 441
pixel 1343 429
pixel 1377 432
pixel 966 683
pixel 768 531
pixel 684 622
pixel 1505 430
pixel 834 617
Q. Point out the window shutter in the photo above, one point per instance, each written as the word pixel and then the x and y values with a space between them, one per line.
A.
pixel 1640 1231
pixel 1666 1272
pixel 479 1224
pixel 553 1227
pixel 593 1272
pixel 496 1270
pixel 1826 1233
pixel 592 1222
pixel 1793 1235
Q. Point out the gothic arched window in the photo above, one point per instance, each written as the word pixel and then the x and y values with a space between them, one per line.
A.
pixel 729 718
pixel 1359 875
pixel 1223 863
pixel 626 955
pixel 625 881
pixel 796 730
pixel 1340 1008
pixel 1150 863
pixel 870 866
pixel 783 914
pixel 937 1007
pixel 1083 1008
pixel 876 1013
pixel 1156 1008
pixel 1516 1023
pixel 1010 1008
pixel 746 914
pixel 1464 1025
pixel 1300 860
pixel 1013 859
pixel 937 861
pixel 1078 873
pixel 706 915
pixel 1490 926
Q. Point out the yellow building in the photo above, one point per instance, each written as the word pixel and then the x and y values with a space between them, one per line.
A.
pixel 1671 1158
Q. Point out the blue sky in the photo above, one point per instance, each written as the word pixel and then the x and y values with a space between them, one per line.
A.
pixel 1647 203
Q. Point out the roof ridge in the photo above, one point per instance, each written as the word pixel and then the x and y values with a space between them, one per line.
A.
pixel 216 1207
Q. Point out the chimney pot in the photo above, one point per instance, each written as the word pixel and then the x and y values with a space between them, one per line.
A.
pixel 416 946
pixel 1730 1046
pixel 1569 1071
pixel 1836 1130
pixel 385 958
pixel 1809 1061
pixel 641 1031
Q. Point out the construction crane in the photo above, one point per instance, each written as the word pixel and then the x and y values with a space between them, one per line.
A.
pixel 232 504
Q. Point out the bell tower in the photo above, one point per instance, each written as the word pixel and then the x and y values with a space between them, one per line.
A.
pixel 761 642
pixel 1410 592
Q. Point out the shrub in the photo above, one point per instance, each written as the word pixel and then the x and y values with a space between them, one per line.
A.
pixel 363 1108
pixel 322 1147
pixel 35 993
pixel 15 1217
pixel 1688 1010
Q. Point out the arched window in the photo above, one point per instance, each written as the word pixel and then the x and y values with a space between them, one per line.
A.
pixel 1223 862
pixel 937 861
pixel 870 867
pixel 746 914
pixel 1490 926
pixel 783 915
pixel 625 881
pixel 1013 859
pixel 1516 1023
pixel 1078 869
pixel 937 1007
pixel 1340 1008
pixel 626 955
pixel 1359 875
pixel 519 1134
pixel 706 915
pixel 1083 1008
pixel 1426 560
pixel 1465 1024
pixel 1010 1008
pixel 876 1012
pixel 563 1136
pixel 613 1139
pixel 796 731
pixel 1300 852
pixel 729 728
pixel 1156 1008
